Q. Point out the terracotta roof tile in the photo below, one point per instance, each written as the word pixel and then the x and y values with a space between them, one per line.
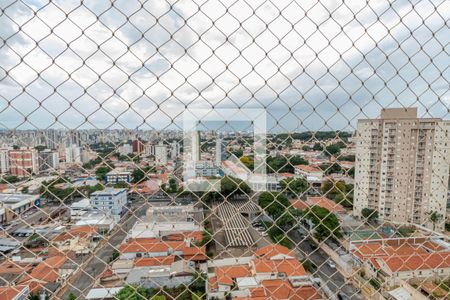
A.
pixel 154 261
pixel 226 275
pixel 326 203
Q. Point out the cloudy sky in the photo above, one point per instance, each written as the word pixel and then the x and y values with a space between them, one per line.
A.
pixel 136 64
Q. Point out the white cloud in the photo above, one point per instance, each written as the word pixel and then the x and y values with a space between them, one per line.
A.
pixel 154 59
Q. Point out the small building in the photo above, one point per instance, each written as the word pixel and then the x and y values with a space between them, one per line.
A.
pixel 118 175
pixel 206 169
pixel 311 173
pixel 110 200
pixel 11 205
pixel 79 208
pixel 326 203
pixel 102 221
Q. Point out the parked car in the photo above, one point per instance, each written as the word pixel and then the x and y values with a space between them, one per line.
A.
pixel 331 264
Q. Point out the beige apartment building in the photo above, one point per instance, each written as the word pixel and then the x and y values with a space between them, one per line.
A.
pixel 402 167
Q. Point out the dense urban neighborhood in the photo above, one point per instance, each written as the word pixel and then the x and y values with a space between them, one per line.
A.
pixel 112 214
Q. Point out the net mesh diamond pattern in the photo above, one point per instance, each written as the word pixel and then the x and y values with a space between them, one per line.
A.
pixel 313 164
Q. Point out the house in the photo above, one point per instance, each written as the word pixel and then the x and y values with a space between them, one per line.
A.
pixel 311 173
pixel 118 175
pixel 394 260
pixel 298 204
pixel 150 247
pixel 47 273
pixel 324 202
pixel 15 292
pixel 260 276
pixel 80 239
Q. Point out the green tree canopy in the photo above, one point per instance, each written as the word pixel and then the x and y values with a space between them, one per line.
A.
pixel 370 215
pixel 133 292
pixel 294 186
pixel 326 224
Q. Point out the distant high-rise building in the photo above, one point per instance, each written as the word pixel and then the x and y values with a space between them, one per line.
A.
pixel 23 162
pixel 125 149
pixel 48 160
pixel 161 153
pixel 73 154
pixel 4 160
pixel 402 167
pixel 219 152
pixel 138 146
pixel 175 150
pixel 196 147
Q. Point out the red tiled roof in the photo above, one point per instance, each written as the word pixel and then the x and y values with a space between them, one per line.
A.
pixel 278 289
pixel 326 203
pixel 225 275
pixel 212 283
pixel 154 261
pixel 81 231
pixel 433 261
pixel 272 250
pixel 9 293
pixel 291 267
pixel 195 253
pixel 46 271
pixel 298 204
pixel 195 235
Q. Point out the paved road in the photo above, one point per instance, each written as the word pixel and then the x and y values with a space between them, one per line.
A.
pixel 82 282
pixel 332 278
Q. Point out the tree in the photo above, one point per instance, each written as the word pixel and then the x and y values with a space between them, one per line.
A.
pixel 332 188
pixel 172 185
pixel 331 168
pixel 326 224
pixel 332 150
pixel 140 174
pixel 238 152
pixel 231 186
pixel 317 147
pixel 71 296
pixel 121 185
pixel 133 292
pixel 102 170
pixel 294 186
pixel 40 148
pixel 10 179
pixel 434 217
pixel 370 215
pixel 297 160
pixel 306 148
pixel 265 199
pixel 248 162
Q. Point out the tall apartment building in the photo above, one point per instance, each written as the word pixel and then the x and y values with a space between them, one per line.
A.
pixel 138 146
pixel 402 167
pixel 161 153
pixel 73 154
pixel 48 160
pixel 196 146
pixel 4 160
pixel 23 162
pixel 175 150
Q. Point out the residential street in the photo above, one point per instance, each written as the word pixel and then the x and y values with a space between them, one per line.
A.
pixel 333 279
pixel 80 283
